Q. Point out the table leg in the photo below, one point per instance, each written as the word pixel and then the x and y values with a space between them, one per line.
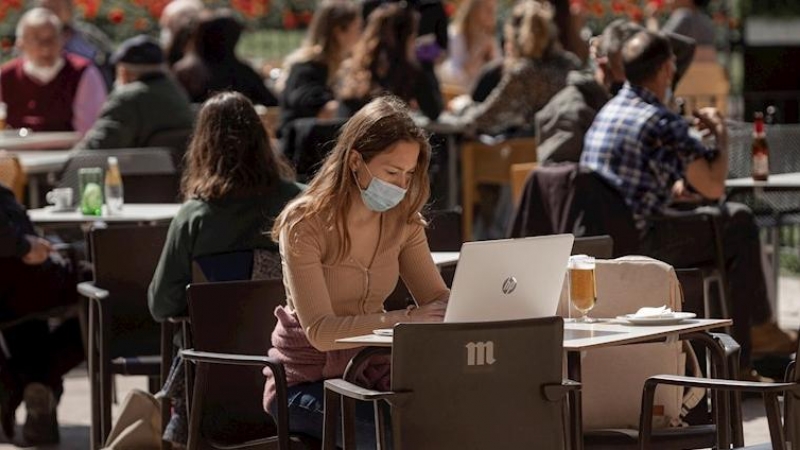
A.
pixel 576 419
pixel 33 191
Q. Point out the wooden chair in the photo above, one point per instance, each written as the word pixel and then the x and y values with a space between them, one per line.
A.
pixel 451 383
pixel 12 175
pixel 489 164
pixel 519 173
pixel 123 337
pixel 232 323
pixel 704 84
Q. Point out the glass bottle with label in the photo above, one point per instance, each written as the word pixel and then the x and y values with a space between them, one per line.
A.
pixel 113 190
pixel 760 149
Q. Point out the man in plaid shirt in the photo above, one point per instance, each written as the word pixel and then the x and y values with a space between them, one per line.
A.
pixel 644 150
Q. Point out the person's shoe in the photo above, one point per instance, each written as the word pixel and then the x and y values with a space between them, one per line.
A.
pixel 10 399
pixel 41 425
pixel 768 339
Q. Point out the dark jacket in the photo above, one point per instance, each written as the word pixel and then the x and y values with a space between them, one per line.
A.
pixel 561 198
pixel 134 112
pixel 305 93
pixel 564 121
pixel 14 226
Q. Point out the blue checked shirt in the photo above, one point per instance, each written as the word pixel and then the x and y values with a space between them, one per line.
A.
pixel 642 148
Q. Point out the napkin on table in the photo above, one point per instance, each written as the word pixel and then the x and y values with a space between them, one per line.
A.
pixel 653 312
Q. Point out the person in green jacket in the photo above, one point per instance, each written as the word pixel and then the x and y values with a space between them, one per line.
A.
pixel 233 185
pixel 144 102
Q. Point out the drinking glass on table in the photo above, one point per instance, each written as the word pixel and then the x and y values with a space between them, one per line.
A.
pixel 582 286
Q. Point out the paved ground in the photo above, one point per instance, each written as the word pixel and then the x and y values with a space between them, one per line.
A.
pixel 74 409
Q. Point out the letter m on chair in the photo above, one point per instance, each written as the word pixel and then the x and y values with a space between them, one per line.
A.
pixel 480 353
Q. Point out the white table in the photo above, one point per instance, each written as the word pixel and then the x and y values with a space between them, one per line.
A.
pixel 38 140
pixel 777 182
pixel 135 213
pixel 38 165
pixel 580 337
pixel 444 259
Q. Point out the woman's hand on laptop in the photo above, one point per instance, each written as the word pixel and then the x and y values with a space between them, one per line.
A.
pixel 429 312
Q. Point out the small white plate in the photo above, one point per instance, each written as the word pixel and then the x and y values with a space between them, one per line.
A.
pixel 384 331
pixel 671 319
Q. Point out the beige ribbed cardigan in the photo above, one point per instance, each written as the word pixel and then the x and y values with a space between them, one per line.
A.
pixel 337 299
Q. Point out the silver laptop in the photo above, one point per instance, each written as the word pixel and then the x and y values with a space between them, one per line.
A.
pixel 509 279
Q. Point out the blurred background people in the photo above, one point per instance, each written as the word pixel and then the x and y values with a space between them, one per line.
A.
pixel 473 42
pixel 384 61
pixel 309 73
pixel 211 65
pixel 145 100
pixel 83 38
pixel 689 18
pixel 177 23
pixel 45 88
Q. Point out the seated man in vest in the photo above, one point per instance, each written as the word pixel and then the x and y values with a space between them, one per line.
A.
pixel 144 100
pixel 82 38
pixel 562 124
pixel 47 89
pixel 33 280
pixel 641 149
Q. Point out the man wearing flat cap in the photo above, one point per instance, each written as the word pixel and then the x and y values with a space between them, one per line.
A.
pixel 144 102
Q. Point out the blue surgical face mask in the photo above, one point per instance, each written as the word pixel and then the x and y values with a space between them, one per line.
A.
pixel 380 196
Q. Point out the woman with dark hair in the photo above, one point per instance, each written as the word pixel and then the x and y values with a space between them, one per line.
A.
pixel 211 64
pixel 383 62
pixel 344 242
pixel 233 187
pixel 309 72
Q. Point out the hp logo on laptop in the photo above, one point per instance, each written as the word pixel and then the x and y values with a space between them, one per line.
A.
pixel 509 285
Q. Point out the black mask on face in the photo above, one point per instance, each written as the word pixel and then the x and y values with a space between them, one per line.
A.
pixel 615 87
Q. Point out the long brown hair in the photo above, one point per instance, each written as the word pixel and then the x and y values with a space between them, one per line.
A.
pixel 381 62
pixel 320 41
pixel 229 153
pixel 374 129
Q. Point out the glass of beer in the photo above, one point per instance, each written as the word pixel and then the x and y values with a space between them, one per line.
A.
pixel 582 289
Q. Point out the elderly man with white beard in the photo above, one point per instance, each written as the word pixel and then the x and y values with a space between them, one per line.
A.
pixel 47 89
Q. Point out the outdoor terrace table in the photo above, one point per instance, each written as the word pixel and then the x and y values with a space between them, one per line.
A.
pixel 38 140
pixel 133 213
pixel 580 337
pixel 38 165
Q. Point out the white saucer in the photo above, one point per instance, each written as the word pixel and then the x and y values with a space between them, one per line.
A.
pixel 671 319
pixel 384 331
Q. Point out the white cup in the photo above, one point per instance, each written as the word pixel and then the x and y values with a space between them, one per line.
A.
pixel 60 198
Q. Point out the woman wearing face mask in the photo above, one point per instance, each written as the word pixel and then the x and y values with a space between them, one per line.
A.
pixel 343 243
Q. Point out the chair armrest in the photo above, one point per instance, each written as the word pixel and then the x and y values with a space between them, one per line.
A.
pixel 88 289
pixel 229 358
pixel 179 319
pixel 728 344
pixel 556 392
pixel 356 392
pixel 724 385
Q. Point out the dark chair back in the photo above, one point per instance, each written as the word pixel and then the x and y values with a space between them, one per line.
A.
pixel 306 141
pixel 176 139
pixel 482 385
pixel 124 261
pixel 235 318
pixel 149 175
pixel 230 266
pixel 601 247
pixel 444 230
